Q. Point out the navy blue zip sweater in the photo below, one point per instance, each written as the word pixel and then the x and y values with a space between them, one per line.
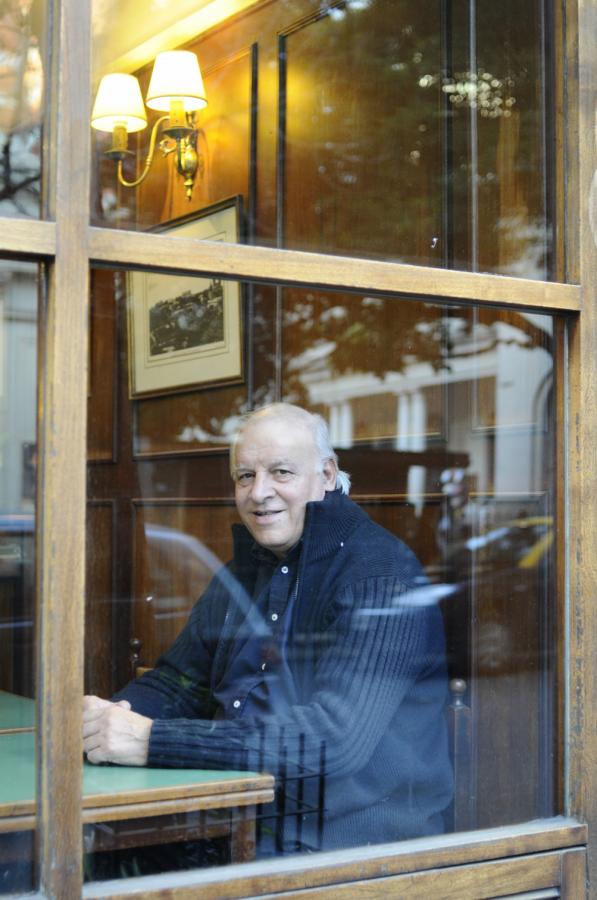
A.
pixel 365 652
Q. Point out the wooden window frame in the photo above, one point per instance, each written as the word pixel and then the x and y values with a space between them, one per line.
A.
pixel 68 247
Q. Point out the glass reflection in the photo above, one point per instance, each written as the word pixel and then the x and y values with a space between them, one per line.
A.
pixel 22 52
pixel 18 460
pixel 444 418
pixel 422 137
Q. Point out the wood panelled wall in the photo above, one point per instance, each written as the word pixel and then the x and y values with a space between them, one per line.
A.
pixel 160 497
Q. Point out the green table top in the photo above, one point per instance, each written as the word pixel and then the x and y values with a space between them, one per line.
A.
pixel 115 785
pixel 127 787
pixel 16 712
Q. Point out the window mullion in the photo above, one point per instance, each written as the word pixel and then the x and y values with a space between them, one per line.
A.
pixel 108 246
pixel 26 236
pixel 582 659
pixel 62 440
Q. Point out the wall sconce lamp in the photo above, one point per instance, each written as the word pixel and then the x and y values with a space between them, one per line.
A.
pixel 175 87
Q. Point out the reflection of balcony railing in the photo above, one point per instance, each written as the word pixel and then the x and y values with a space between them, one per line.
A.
pixel 295 822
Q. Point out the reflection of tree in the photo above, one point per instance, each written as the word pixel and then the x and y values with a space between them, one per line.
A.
pixel 19 179
pixel 326 336
pixel 361 174
pixel 389 163
pixel 21 85
pixel 338 335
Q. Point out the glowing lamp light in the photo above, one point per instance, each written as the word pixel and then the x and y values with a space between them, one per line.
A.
pixel 176 88
pixel 176 76
pixel 119 102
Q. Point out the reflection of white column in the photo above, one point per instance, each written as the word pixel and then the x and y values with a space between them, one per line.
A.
pixel 345 425
pixel 417 474
pixel 418 423
pixel 333 424
pixel 403 422
pixel 416 487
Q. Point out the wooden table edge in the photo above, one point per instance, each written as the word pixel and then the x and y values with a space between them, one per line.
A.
pixel 20 816
pixel 253 782
pixel 166 807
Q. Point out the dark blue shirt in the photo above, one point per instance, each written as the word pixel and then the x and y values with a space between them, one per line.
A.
pixel 258 679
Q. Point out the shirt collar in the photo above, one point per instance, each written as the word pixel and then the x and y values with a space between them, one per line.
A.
pixel 265 557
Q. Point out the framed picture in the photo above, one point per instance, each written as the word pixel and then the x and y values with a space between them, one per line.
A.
pixel 185 331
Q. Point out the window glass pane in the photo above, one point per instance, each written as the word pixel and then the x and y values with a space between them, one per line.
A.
pixel 368 676
pixel 23 64
pixel 412 132
pixel 18 367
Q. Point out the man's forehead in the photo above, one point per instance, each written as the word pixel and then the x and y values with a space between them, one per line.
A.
pixel 280 438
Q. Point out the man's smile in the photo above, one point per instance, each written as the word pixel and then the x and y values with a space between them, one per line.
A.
pixel 265 514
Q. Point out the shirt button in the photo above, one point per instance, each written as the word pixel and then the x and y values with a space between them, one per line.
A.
pixel 263 666
pixel 236 704
pixel 274 617
pixel 284 570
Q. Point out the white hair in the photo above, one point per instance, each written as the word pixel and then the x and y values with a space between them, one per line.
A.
pixel 313 421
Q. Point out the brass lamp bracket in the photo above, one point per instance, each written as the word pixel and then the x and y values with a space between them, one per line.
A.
pixel 175 86
pixel 185 144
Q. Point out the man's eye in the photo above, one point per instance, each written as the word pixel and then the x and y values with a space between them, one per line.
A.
pixel 244 477
pixel 282 474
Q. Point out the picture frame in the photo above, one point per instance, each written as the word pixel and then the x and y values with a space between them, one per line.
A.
pixel 186 331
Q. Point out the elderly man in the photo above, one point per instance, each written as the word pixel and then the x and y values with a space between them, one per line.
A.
pixel 314 651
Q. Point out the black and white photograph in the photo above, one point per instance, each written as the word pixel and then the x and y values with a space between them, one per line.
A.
pixel 188 320
pixel 185 331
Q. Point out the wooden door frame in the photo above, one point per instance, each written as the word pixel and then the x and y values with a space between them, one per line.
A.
pixel 67 246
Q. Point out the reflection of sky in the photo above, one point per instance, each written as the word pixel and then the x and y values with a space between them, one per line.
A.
pixel 545 323
pixel 21 85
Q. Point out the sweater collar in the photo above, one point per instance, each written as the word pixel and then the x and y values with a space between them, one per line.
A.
pixel 328 523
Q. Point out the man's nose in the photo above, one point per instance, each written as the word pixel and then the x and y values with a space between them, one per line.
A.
pixel 261 487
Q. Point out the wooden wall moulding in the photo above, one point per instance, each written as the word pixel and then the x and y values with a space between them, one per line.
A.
pixel 397 515
pixel 102 418
pixel 178 545
pixel 182 425
pixel 100 589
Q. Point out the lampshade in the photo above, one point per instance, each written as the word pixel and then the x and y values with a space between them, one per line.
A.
pixel 176 76
pixel 119 102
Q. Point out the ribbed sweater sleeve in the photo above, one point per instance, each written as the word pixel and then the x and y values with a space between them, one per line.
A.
pixel 374 649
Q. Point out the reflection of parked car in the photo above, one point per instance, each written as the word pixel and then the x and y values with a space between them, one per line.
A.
pixel 14 528
pixel 16 602
pixel 517 544
pixel 496 612
pixel 179 567
pixel 522 543
pixel 175 569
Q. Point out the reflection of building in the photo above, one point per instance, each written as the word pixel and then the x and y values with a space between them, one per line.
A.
pixel 18 349
pixel 474 405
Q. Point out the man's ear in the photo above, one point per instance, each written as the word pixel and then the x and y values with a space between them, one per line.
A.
pixel 330 471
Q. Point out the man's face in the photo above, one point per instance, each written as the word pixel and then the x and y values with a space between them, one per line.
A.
pixel 277 471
